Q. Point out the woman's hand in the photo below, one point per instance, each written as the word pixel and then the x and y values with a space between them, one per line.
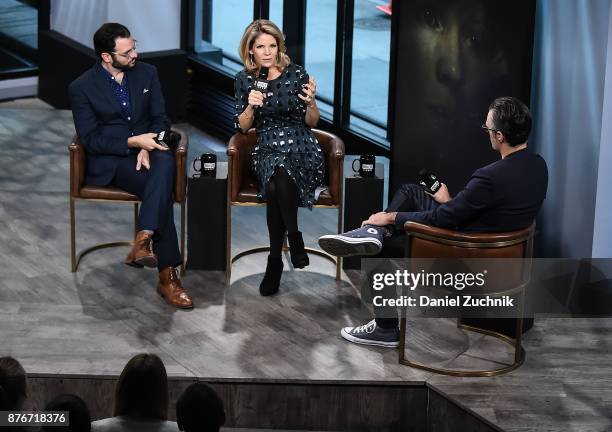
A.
pixel 256 98
pixel 310 91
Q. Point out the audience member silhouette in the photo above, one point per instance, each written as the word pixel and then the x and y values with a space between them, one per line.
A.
pixel 78 414
pixel 13 384
pixel 141 399
pixel 200 409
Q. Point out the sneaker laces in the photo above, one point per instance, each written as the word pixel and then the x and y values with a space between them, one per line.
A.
pixel 366 328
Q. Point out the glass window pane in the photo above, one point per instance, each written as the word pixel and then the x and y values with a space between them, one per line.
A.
pixel 229 19
pixel 276 12
pixel 18 38
pixel 370 65
pixel 320 49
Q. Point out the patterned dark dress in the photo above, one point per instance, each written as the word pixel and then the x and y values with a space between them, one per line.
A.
pixel 283 138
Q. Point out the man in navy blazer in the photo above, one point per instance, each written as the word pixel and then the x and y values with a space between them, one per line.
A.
pixel 118 110
pixel 503 196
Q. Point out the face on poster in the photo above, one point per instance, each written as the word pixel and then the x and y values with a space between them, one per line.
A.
pixel 457 56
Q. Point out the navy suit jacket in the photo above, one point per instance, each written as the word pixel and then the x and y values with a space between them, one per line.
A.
pixel 503 196
pixel 100 124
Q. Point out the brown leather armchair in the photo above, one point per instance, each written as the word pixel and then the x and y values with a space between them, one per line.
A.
pixel 79 191
pixel 242 186
pixel 423 241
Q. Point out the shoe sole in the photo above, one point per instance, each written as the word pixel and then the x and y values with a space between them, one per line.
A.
pixel 360 341
pixel 301 265
pixel 341 246
pixel 148 261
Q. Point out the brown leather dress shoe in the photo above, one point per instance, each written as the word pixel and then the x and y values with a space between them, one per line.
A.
pixel 142 251
pixel 172 291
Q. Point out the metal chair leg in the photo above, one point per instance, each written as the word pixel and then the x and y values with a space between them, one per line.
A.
pixel 339 259
pixel 182 229
pixel 136 228
pixel 73 262
pixel 228 241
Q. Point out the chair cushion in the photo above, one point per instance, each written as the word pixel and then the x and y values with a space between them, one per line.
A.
pixel 106 193
pixel 248 194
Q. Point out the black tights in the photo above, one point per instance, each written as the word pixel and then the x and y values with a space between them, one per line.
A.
pixel 281 210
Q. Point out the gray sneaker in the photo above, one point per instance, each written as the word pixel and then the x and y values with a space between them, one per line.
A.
pixel 366 240
pixel 371 334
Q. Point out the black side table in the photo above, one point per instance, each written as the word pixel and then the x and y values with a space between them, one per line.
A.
pixel 206 222
pixel 363 196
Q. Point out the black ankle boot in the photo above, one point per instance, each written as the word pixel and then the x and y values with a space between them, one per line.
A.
pixel 299 259
pixel 271 281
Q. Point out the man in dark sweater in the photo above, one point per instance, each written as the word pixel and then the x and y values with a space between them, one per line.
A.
pixel 503 196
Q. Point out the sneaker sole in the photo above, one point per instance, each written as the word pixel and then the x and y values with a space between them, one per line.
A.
pixel 341 246
pixel 360 341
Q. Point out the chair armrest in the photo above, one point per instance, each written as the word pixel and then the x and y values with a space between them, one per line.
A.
pixel 333 146
pixel 180 158
pixel 445 235
pixel 77 167
pixel 238 150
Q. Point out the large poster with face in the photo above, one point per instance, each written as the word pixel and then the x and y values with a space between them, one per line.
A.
pixel 451 59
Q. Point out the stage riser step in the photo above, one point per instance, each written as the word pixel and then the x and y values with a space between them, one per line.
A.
pixel 276 405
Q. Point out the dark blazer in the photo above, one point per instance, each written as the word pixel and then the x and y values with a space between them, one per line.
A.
pixel 100 125
pixel 503 196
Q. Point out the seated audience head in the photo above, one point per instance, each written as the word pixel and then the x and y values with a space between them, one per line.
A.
pixel 253 56
pixel 199 409
pixel 508 122
pixel 142 389
pixel 115 46
pixel 13 384
pixel 78 414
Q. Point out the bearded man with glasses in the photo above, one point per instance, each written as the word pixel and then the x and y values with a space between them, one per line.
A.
pixel 118 110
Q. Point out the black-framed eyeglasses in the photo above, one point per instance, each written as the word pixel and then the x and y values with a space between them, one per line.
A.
pixel 485 127
pixel 126 54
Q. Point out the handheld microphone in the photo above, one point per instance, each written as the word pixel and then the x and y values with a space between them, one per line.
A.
pixel 261 82
pixel 168 138
pixel 429 182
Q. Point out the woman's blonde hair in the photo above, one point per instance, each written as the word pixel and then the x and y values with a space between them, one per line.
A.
pixel 252 32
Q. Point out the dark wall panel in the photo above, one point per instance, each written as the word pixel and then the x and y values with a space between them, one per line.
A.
pixel 451 59
pixel 61 60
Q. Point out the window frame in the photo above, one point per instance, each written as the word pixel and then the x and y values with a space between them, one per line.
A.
pixel 358 139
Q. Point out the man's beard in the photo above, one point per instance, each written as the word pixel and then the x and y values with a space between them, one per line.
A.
pixel 122 67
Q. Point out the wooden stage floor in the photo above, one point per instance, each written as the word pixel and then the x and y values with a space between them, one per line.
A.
pixel 92 322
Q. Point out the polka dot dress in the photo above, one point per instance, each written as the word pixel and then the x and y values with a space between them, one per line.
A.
pixel 283 139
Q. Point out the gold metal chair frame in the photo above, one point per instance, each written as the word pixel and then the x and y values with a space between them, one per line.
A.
pixel 75 258
pixel 232 259
pixel 519 351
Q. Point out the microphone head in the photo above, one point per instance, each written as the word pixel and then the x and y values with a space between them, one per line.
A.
pixel 263 73
pixel 423 173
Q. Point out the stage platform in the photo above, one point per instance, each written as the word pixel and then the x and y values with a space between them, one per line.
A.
pixel 77 331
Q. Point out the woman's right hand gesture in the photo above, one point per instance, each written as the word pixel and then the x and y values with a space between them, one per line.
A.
pixel 256 98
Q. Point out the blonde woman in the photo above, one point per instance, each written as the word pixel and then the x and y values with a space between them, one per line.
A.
pixel 287 159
